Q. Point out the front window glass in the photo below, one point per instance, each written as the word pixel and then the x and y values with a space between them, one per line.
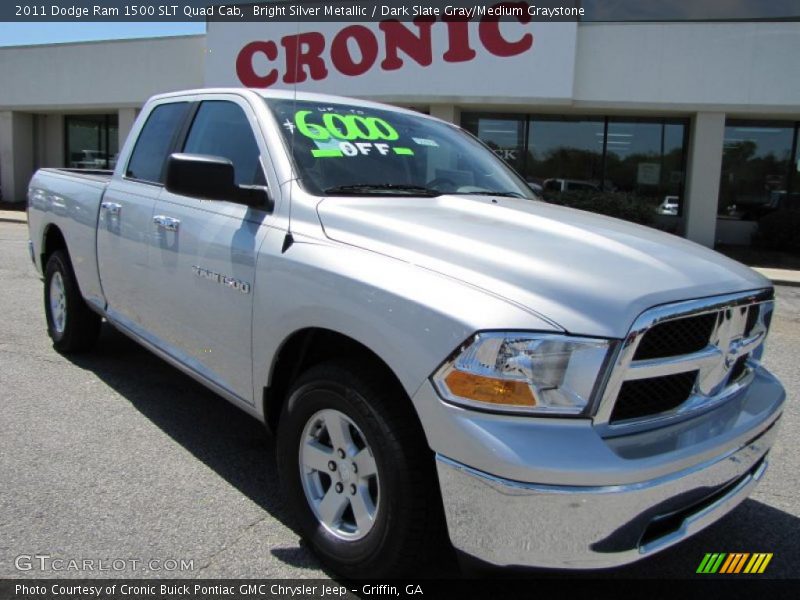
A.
pixel 221 128
pixel 342 149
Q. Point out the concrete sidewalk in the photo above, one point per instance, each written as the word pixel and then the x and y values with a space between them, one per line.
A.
pixel 780 276
pixel 777 276
pixel 13 216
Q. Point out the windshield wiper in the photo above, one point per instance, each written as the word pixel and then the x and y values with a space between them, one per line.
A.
pixel 382 188
pixel 491 193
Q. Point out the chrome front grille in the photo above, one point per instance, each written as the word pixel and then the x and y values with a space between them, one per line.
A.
pixel 644 397
pixel 676 337
pixel 684 357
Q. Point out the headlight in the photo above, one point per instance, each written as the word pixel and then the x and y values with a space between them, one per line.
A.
pixel 524 372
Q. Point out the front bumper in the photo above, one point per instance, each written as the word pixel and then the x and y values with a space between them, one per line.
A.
pixel 510 523
pixel 638 495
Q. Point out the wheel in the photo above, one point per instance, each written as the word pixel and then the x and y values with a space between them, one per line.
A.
pixel 71 324
pixel 355 466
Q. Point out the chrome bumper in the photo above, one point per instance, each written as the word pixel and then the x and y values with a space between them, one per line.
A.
pixel 511 523
pixel 555 493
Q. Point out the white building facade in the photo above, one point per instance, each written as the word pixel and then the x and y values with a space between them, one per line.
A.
pixel 698 119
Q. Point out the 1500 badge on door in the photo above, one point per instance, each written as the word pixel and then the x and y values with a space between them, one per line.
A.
pixel 231 282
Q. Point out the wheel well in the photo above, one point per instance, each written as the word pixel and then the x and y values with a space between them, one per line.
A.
pixel 53 240
pixel 306 348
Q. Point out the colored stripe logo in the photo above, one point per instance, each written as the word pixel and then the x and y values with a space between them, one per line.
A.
pixel 734 563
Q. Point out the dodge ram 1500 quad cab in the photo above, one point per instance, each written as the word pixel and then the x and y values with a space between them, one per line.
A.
pixel 430 343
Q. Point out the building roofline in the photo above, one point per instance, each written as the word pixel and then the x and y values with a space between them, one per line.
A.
pixel 112 40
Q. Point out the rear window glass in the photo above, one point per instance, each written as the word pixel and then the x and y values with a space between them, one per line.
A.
pixel 155 141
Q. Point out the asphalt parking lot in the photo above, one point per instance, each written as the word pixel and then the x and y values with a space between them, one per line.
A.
pixel 116 455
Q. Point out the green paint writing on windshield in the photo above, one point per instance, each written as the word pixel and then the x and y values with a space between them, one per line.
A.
pixel 345 127
pixel 349 134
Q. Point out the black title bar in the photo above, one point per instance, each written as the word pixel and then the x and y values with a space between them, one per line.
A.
pixel 574 586
pixel 299 10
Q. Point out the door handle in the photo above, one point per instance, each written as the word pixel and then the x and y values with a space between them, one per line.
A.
pixel 111 208
pixel 166 223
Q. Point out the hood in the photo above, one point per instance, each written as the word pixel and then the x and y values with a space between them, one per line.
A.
pixel 590 274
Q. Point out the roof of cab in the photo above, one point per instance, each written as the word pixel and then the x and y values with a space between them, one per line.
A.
pixel 291 94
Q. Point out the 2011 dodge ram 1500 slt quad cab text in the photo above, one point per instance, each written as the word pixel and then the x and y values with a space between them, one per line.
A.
pixel 431 344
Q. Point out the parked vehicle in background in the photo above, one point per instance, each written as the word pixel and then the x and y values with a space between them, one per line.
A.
pixel 432 346
pixel 88 159
pixel 669 206
pixel 569 185
pixel 752 208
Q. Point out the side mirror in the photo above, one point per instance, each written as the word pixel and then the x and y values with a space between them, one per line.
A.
pixel 212 178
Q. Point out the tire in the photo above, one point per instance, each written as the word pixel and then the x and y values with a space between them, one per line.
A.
pixel 407 517
pixel 71 324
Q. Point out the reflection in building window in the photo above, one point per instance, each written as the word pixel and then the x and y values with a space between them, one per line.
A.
pixel 756 165
pixel 504 134
pixel 565 154
pixel 643 157
pixel 794 169
pixel 646 158
pixel 91 141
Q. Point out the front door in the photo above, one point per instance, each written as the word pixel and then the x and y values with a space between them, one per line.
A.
pixel 205 255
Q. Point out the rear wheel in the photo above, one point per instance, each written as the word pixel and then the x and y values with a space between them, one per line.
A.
pixel 357 470
pixel 71 324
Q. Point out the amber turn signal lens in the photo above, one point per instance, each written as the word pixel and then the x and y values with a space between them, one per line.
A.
pixel 489 389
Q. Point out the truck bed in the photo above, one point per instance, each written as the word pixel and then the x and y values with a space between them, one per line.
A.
pixel 69 200
pixel 101 175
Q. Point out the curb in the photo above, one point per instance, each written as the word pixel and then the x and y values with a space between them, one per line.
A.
pixel 786 282
pixel 21 221
pixel 781 277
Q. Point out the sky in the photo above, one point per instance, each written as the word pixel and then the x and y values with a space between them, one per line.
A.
pixel 17 34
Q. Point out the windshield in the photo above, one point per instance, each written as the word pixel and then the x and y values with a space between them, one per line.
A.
pixel 342 149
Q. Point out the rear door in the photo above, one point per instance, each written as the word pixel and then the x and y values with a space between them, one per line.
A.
pixel 125 232
pixel 205 256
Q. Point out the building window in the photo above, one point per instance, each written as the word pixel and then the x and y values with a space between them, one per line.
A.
pixel 644 157
pixel 91 141
pixel 504 134
pixel 647 158
pixel 794 168
pixel 757 169
pixel 565 154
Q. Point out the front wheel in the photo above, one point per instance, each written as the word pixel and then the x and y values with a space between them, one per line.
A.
pixel 355 466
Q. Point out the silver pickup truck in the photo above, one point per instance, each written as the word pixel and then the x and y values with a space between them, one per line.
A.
pixel 431 344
